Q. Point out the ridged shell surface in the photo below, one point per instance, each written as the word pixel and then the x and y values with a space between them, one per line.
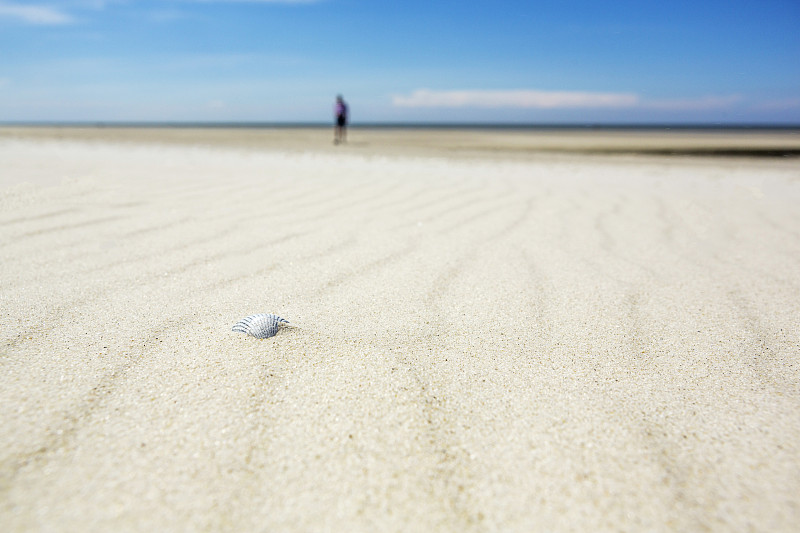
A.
pixel 263 325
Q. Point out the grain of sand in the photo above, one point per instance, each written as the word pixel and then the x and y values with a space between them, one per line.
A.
pixel 484 344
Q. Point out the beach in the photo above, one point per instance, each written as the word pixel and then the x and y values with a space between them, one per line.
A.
pixel 495 331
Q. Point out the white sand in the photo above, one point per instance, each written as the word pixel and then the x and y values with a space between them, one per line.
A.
pixel 562 344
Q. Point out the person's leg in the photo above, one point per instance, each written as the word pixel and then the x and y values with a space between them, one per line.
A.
pixel 340 123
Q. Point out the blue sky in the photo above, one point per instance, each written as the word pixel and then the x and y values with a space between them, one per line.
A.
pixel 572 61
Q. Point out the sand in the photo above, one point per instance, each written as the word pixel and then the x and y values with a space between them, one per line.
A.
pixel 484 343
pixel 446 142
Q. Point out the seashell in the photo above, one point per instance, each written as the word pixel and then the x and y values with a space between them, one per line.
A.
pixel 263 325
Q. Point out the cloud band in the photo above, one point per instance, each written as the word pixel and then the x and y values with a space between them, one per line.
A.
pixel 34 14
pixel 519 99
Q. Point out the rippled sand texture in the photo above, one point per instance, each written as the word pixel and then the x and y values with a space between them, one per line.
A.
pixel 575 344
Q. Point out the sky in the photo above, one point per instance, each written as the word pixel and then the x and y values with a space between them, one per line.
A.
pixel 449 61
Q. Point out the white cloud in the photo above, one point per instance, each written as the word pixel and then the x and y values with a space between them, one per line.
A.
pixel 693 104
pixel 519 99
pixel 253 1
pixel 533 99
pixel 34 14
pixel 95 4
pixel 41 14
pixel 779 105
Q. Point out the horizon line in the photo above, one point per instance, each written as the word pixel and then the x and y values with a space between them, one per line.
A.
pixel 403 125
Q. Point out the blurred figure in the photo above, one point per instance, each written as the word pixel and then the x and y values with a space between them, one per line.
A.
pixel 340 110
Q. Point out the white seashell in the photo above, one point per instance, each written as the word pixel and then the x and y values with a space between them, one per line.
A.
pixel 263 326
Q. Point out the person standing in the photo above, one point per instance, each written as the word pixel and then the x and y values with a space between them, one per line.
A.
pixel 340 111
